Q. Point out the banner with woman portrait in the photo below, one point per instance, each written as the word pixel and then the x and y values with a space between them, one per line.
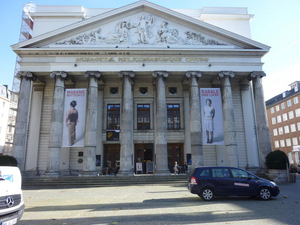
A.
pixel 212 116
pixel 74 118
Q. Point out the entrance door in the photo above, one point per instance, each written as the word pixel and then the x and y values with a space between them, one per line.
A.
pixel 143 155
pixel 175 153
pixel 112 156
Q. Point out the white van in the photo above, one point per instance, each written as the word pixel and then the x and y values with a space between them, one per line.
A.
pixel 11 196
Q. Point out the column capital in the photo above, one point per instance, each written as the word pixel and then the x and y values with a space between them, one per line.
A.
pixel 256 74
pixel 126 73
pixel 62 74
pixel 95 74
pixel 226 73
pixel 189 74
pixel 165 74
pixel 27 75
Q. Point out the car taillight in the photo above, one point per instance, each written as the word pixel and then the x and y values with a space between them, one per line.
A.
pixel 193 180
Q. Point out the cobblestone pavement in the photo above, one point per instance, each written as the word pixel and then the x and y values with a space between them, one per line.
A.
pixel 155 204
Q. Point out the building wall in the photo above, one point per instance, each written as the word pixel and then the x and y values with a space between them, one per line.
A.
pixel 275 113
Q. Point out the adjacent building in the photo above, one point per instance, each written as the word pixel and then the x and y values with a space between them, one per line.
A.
pixel 283 113
pixel 136 88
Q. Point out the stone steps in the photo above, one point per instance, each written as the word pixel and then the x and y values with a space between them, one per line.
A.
pixel 102 181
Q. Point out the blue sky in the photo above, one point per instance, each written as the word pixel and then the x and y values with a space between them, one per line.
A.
pixel 275 23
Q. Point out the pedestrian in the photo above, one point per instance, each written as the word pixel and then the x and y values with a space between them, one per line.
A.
pixel 185 167
pixel 176 168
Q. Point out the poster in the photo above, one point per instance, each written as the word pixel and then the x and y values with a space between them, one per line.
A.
pixel 74 118
pixel 211 116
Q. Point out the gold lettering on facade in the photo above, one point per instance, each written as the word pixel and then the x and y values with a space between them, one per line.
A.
pixel 142 59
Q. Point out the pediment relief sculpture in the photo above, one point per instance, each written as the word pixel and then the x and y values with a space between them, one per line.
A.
pixel 141 30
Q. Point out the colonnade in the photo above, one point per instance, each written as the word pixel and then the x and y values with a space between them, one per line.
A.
pixel 127 144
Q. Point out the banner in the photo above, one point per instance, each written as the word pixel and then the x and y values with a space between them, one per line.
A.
pixel 74 118
pixel 212 116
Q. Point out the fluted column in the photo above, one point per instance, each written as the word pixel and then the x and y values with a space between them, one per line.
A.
pixel 90 138
pixel 19 146
pixel 229 122
pixel 195 121
pixel 161 150
pixel 261 116
pixel 126 126
pixel 56 125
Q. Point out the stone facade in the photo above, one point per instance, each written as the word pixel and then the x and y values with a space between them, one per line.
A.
pixel 143 71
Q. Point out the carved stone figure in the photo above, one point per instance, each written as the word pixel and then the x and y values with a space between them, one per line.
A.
pixel 168 36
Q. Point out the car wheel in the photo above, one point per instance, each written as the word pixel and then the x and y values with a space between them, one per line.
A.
pixel 207 194
pixel 264 193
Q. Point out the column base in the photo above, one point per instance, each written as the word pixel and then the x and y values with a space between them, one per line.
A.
pixel 88 174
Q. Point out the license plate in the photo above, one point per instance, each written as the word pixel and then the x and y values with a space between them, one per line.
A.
pixel 10 222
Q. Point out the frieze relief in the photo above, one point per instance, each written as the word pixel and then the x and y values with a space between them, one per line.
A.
pixel 146 30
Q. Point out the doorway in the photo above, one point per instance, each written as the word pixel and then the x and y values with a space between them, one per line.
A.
pixel 112 157
pixel 143 158
pixel 175 153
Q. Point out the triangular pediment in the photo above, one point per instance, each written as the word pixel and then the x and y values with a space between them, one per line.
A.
pixel 141 24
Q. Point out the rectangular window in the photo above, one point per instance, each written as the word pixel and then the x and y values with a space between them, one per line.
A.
pixel 274 120
pixel 272 110
pixel 173 116
pixel 113 117
pixel 275 133
pixel 295 141
pixel 283 105
pixel 143 116
pixel 286 129
pixel 293 127
pixel 276 144
pixel 298 126
pixel 279 119
pixel 289 103
pixel 297 112
pixel 296 100
pixel 280 130
pixel 291 115
pixel 277 108
pixel 288 142
pixel 284 117
pixel 282 144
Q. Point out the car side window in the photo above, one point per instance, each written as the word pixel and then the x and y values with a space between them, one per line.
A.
pixel 220 172
pixel 236 173
pixel 204 173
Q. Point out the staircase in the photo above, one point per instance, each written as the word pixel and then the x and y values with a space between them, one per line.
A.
pixel 101 181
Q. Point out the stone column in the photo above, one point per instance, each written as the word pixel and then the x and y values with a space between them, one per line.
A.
pixel 186 110
pixel 161 150
pixel 56 125
pixel 90 138
pixel 195 122
pixel 99 144
pixel 34 129
pixel 126 126
pixel 20 135
pixel 229 123
pixel 250 125
pixel 264 141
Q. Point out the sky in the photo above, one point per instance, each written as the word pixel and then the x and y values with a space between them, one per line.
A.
pixel 276 23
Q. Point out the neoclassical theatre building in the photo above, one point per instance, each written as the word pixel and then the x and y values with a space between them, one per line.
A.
pixel 134 89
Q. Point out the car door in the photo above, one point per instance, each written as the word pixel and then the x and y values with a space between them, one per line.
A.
pixel 222 181
pixel 244 183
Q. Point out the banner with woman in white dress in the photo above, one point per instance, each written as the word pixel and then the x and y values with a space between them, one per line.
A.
pixel 74 118
pixel 212 116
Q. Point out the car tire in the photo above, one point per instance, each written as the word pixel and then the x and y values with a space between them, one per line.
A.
pixel 264 193
pixel 207 194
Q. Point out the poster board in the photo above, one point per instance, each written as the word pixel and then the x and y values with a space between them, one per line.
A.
pixel 149 167
pixel 139 167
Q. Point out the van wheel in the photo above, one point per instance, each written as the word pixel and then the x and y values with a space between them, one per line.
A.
pixel 207 194
pixel 264 193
